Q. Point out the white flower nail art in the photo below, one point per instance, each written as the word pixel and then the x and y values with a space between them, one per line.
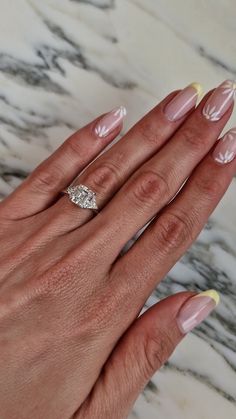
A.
pixel 229 88
pixel 102 131
pixel 110 122
pixel 226 157
pixel 211 113
pixel 225 150
pixel 121 112
pixel 220 101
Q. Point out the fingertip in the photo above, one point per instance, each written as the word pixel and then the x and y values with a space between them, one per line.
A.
pixel 196 309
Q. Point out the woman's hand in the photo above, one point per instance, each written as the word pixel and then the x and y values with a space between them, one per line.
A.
pixel 71 344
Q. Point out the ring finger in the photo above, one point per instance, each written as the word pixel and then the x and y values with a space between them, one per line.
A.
pixel 45 183
pixel 152 186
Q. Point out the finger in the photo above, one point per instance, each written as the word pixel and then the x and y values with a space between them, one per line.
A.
pixel 143 349
pixel 170 234
pixel 152 186
pixel 107 174
pixel 41 188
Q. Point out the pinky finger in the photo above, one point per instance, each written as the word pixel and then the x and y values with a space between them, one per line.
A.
pixel 143 349
pixel 53 175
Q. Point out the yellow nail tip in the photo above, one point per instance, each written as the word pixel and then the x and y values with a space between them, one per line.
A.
pixel 198 87
pixel 212 294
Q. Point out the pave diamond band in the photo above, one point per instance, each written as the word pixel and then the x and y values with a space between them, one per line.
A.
pixel 82 196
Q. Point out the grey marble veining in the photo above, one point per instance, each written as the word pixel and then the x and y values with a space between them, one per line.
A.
pixel 63 62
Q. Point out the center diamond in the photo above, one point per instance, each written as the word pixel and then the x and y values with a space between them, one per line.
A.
pixel 82 196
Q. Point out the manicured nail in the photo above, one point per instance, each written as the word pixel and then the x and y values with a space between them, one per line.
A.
pixel 220 100
pixel 225 151
pixel 196 309
pixel 183 102
pixel 110 122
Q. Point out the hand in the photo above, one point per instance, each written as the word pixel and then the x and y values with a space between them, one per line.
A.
pixel 71 343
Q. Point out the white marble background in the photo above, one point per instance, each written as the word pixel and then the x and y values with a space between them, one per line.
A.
pixel 63 62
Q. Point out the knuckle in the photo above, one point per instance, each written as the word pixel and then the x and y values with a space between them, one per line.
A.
pixel 209 187
pixel 158 346
pixel 174 230
pixel 148 188
pixel 45 179
pixel 195 138
pixel 104 177
pixel 149 131
pixel 73 144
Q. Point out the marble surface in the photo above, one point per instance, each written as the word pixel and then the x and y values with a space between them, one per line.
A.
pixel 63 62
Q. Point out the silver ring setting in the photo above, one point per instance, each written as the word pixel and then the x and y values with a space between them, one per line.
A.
pixel 82 196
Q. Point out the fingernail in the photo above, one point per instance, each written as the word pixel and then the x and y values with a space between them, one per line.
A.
pixel 196 309
pixel 110 122
pixel 225 151
pixel 183 102
pixel 220 100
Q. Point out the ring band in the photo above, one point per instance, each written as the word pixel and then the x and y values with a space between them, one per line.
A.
pixel 82 196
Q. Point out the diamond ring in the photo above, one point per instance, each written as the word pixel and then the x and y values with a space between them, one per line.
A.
pixel 82 196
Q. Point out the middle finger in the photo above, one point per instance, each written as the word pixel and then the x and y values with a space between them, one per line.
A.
pixel 155 183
